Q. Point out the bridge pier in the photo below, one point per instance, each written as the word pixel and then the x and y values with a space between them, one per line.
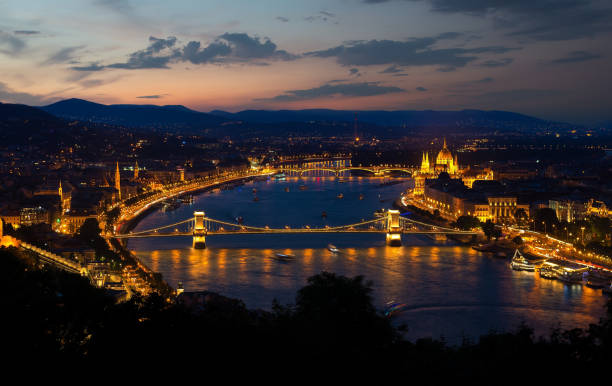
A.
pixel 394 231
pixel 199 231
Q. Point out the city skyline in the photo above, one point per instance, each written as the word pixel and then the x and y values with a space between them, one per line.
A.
pixel 543 58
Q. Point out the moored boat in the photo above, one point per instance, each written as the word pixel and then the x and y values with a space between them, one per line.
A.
pixel 570 277
pixel 520 263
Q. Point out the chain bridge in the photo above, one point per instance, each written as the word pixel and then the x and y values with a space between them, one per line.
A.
pixel 392 224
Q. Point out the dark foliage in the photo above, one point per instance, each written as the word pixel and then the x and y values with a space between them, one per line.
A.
pixel 59 318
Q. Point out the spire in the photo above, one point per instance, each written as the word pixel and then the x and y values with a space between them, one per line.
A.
pixel 118 181
pixel 444 143
pixel 136 171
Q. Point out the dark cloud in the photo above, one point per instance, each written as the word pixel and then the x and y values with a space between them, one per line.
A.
pixel 414 52
pixel 497 63
pixel 535 19
pixel 26 32
pixel 332 90
pixel 577 56
pixel 91 67
pixel 282 18
pixel 157 55
pixel 421 88
pixel 10 44
pixel 323 16
pixel 64 55
pixel 393 69
pixel 354 72
pixel 151 96
pixel 226 48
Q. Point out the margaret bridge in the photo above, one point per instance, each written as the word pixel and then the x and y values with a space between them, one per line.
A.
pixel 200 226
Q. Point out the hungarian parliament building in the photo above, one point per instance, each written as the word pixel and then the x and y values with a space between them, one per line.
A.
pixel 455 191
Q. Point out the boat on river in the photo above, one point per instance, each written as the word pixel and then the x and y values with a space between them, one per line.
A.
pixel 570 277
pixel 340 195
pixel 170 204
pixel 332 248
pixel 284 256
pixel 520 263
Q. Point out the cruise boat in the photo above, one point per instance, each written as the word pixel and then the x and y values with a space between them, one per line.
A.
pixel 380 213
pixel 340 195
pixel 570 277
pixel 333 249
pixel 170 205
pixel 284 256
pixel 187 199
pixel 520 263
pixel 303 187
pixel 547 272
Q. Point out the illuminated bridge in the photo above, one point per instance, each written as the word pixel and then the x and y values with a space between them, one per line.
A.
pixel 336 170
pixel 200 226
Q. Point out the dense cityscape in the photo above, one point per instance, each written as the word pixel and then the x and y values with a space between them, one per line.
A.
pixel 335 226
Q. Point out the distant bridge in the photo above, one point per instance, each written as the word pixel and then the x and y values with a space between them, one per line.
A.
pixel 200 226
pixel 336 168
pixel 374 170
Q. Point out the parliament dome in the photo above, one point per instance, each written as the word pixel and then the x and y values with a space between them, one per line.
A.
pixel 444 156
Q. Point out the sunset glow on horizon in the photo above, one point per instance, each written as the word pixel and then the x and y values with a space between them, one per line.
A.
pixel 550 60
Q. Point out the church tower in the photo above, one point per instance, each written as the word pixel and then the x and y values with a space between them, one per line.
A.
pixel 136 171
pixel 118 182
pixel 425 163
pixel 61 195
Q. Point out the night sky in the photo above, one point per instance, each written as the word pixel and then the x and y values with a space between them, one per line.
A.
pixel 548 58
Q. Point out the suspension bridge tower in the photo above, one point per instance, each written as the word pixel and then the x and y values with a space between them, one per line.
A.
pixel 199 231
pixel 394 230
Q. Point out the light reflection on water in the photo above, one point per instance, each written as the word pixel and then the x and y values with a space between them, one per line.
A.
pixel 447 289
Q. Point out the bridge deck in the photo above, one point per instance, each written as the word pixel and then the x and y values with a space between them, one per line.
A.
pixel 289 231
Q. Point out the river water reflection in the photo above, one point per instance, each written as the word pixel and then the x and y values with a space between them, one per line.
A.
pixel 446 289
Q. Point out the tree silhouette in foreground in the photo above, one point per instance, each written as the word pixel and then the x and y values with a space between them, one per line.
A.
pixel 51 316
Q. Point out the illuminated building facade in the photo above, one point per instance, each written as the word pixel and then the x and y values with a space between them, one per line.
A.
pixel 453 199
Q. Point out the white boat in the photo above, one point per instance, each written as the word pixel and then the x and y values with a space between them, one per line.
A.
pixel 520 263
pixel 333 249
pixel 284 256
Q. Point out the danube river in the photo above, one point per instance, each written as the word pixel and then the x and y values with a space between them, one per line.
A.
pixel 445 289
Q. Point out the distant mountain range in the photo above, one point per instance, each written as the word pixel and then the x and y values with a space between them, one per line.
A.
pixel 183 118
pixel 136 116
pixel 411 118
